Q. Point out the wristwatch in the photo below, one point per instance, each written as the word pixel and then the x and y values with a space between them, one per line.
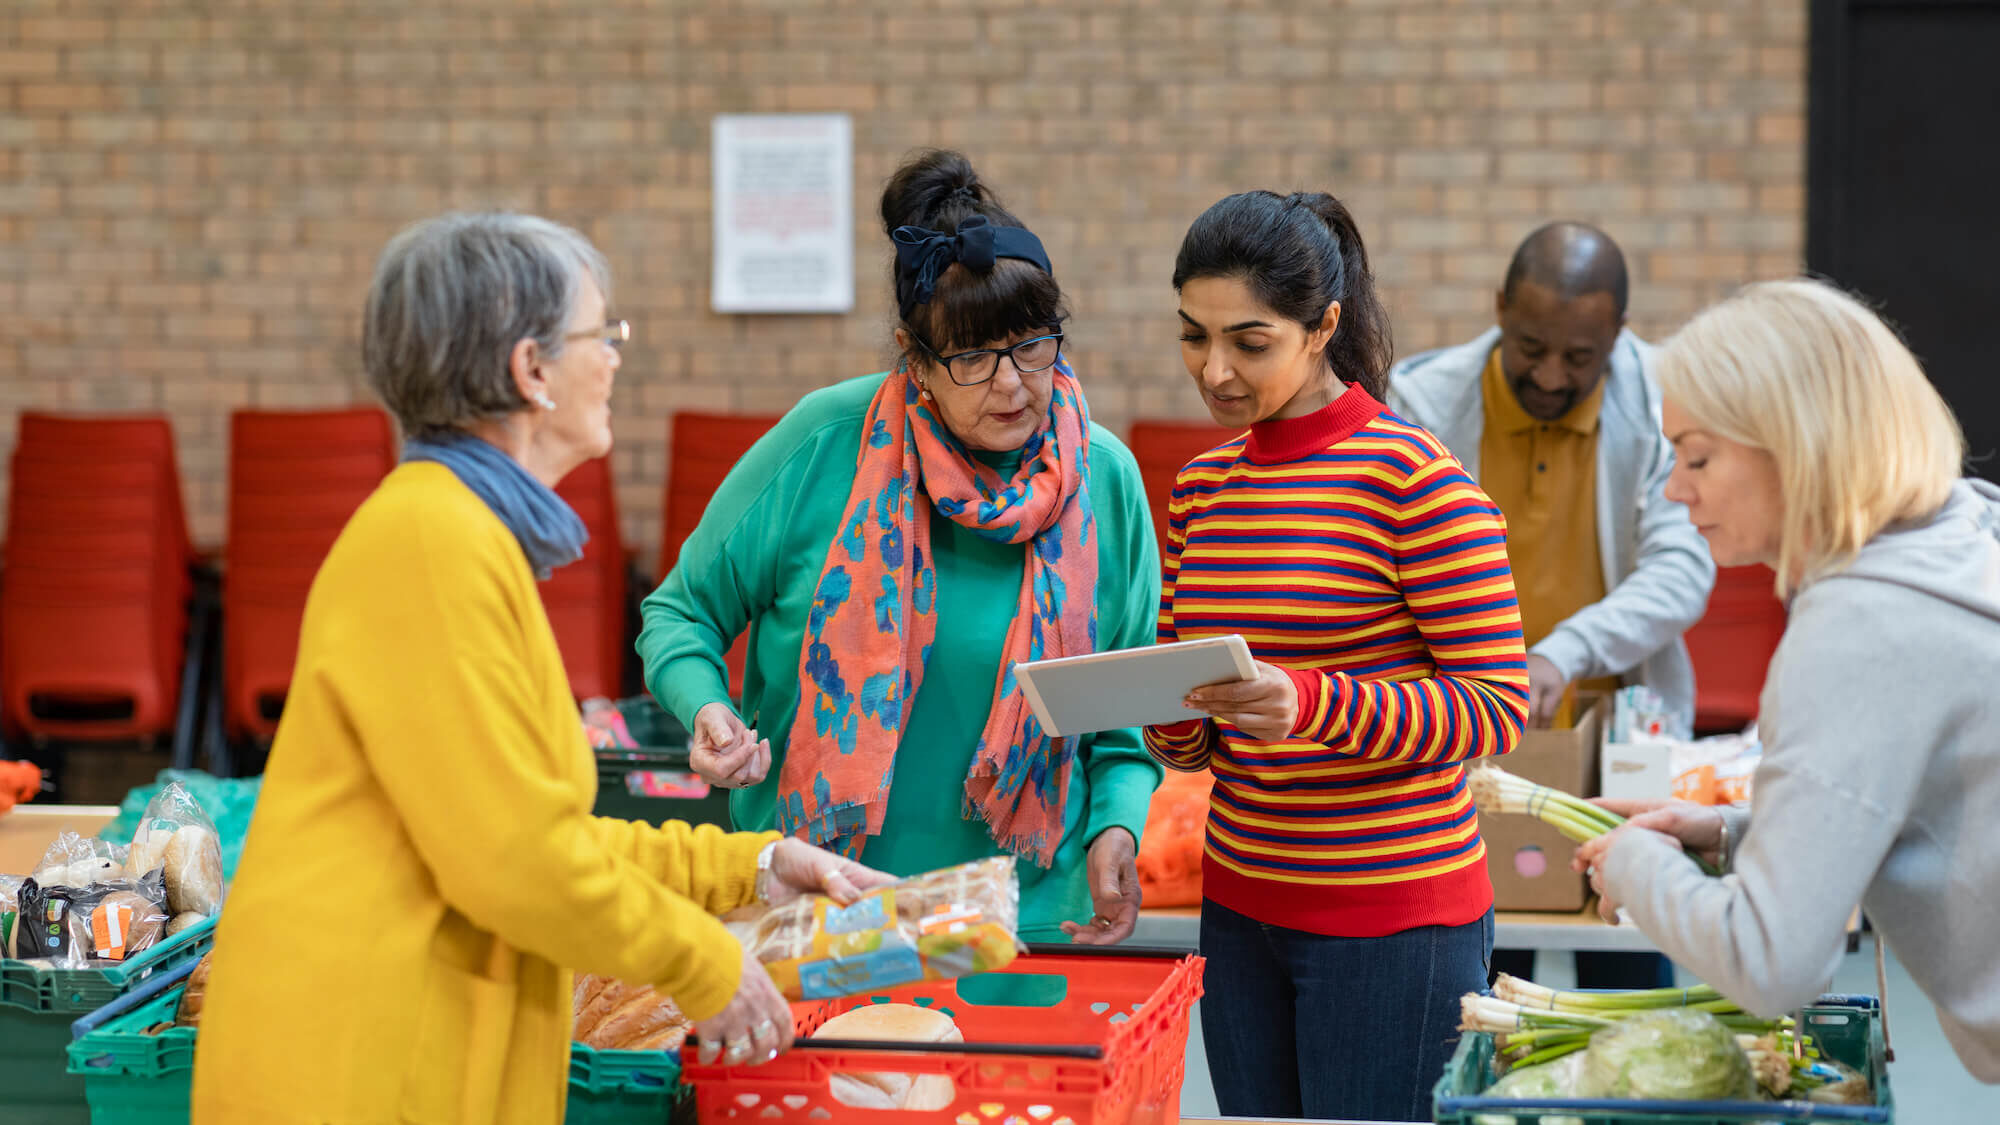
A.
pixel 763 884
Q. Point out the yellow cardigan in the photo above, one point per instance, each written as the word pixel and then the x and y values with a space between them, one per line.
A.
pixel 423 871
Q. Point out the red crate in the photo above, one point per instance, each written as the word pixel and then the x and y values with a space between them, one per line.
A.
pixel 1069 1035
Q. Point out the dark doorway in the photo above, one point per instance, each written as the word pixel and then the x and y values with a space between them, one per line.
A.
pixel 1903 184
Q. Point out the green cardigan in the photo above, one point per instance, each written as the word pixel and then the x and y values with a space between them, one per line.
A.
pixel 755 559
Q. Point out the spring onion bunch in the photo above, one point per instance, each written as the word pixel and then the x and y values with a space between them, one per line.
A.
pixel 1495 790
pixel 1533 1024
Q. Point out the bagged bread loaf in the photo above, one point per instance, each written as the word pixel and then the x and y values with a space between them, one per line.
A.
pixel 935 926
pixel 900 1023
pixel 176 838
pixel 612 1015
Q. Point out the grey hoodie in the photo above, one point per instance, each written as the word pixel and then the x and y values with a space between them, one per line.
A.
pixel 1880 785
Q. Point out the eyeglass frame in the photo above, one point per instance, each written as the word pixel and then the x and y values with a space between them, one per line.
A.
pixel 614 335
pixel 945 360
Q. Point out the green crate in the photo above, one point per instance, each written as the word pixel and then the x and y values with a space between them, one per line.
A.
pixel 36 1009
pixel 136 1079
pixel 663 748
pixel 1847 1029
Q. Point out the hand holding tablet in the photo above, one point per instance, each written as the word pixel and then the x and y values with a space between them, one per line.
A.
pixel 1132 687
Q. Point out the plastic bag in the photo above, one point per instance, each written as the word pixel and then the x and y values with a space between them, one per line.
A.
pixel 1176 833
pixel 604 724
pixel 1676 1053
pixel 1557 1079
pixel 79 861
pixel 10 911
pixel 228 801
pixel 935 926
pixel 106 921
pixel 177 838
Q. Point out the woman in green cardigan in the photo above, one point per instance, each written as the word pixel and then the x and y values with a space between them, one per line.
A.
pixel 895 544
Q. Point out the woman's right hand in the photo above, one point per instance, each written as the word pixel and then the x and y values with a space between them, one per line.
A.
pixel 754 1028
pixel 724 752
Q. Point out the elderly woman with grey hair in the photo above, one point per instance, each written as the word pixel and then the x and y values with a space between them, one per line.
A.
pixel 424 872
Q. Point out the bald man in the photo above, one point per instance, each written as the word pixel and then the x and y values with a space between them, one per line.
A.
pixel 1554 413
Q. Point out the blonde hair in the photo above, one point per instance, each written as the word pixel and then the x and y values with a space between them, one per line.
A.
pixel 1803 371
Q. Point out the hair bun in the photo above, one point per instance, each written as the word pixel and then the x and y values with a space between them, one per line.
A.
pixel 935 189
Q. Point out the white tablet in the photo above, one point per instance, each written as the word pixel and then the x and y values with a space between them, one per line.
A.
pixel 1133 687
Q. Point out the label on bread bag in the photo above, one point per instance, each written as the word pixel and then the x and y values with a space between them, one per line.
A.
pixel 951 918
pixel 872 913
pixel 845 976
pixel 110 924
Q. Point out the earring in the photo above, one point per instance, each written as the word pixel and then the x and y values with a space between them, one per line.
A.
pixel 543 400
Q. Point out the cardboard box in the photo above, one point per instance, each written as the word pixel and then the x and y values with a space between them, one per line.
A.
pixel 1527 860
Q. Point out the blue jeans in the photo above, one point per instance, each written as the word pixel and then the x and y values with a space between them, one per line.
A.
pixel 1304 1025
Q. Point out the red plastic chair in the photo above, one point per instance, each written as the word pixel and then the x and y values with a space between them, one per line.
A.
pixel 1732 646
pixel 295 479
pixel 586 600
pixel 98 644
pixel 1163 449
pixel 702 450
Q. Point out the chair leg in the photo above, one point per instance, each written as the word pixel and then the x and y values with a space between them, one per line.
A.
pixel 187 715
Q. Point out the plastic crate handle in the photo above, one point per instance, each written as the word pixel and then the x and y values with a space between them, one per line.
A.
pixel 153 986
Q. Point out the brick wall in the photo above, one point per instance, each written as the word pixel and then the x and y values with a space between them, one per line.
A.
pixel 192 194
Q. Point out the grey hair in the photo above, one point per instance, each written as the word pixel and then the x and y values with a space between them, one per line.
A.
pixel 451 297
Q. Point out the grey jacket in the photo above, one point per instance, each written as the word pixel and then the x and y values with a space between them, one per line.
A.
pixel 1881 774
pixel 1656 568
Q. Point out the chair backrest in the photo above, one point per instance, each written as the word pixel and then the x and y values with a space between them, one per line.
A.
pixel 295 479
pixel 77 440
pixel 586 599
pixel 1163 449
pixel 703 448
pixel 1732 646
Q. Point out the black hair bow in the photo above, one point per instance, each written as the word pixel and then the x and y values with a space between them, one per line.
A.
pixel 923 255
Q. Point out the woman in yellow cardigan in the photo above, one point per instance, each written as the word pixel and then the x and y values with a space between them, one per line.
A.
pixel 423 872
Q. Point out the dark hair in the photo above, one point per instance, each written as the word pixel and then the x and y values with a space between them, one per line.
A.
pixel 1572 259
pixel 1298 253
pixel 937 189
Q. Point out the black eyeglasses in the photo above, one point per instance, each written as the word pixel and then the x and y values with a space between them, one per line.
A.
pixel 969 369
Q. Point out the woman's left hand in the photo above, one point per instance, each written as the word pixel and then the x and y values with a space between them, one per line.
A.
pixel 1265 707
pixel 1114 890
pixel 1591 857
pixel 799 869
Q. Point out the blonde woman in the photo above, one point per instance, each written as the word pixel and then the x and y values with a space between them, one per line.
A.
pixel 1808 439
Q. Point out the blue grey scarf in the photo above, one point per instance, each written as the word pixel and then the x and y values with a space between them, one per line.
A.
pixel 551 534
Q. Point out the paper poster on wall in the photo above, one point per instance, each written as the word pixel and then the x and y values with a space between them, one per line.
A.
pixel 784 213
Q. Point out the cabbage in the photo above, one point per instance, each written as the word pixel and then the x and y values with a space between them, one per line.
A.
pixel 1675 1053
pixel 1556 1079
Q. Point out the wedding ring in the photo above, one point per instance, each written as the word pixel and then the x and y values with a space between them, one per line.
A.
pixel 739 1051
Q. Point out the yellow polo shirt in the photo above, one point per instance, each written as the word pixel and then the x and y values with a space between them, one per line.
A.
pixel 1543 475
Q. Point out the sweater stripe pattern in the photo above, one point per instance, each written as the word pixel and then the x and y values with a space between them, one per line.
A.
pixel 1350 549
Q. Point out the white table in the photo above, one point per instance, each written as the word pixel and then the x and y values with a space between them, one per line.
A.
pixel 1181 926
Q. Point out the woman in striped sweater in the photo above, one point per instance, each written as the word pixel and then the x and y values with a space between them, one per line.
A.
pixel 1346 900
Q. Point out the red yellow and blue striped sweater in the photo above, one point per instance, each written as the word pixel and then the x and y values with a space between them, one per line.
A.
pixel 1350 549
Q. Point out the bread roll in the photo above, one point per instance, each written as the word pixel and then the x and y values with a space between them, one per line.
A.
pixel 149 853
pixel 188 1014
pixel 194 871
pixel 183 921
pixel 597 1005
pixel 903 1023
pixel 644 1015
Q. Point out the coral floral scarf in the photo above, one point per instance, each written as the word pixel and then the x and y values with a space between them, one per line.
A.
pixel 873 619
